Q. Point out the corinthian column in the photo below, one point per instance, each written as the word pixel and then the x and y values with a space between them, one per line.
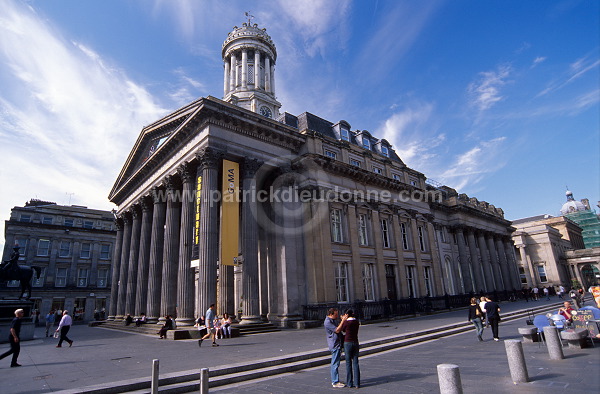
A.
pixel 256 69
pixel 124 270
pixel 114 283
pixel 250 289
pixel 476 266
pixel 485 260
pixel 244 68
pixel 465 268
pixel 498 279
pixel 267 74
pixel 503 264
pixel 185 273
pixel 144 257
pixel 156 254
pixel 168 304
pixel 208 234
pixel 136 213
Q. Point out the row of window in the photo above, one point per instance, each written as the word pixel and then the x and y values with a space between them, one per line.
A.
pixel 376 169
pixel 541 272
pixel 60 279
pixel 369 281
pixel 337 232
pixel 366 142
pixel 65 249
pixel 28 218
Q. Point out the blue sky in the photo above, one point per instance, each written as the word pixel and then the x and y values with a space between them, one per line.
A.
pixel 498 99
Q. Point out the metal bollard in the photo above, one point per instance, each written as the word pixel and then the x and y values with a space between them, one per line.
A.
pixel 449 378
pixel 554 343
pixel 204 381
pixel 154 387
pixel 516 361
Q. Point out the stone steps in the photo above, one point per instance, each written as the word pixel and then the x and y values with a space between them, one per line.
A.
pixel 188 381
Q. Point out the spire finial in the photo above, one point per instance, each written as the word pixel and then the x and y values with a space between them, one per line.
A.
pixel 249 16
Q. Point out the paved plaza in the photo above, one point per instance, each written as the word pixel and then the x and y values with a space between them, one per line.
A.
pixel 101 356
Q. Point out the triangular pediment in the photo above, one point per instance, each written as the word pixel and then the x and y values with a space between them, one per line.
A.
pixel 152 140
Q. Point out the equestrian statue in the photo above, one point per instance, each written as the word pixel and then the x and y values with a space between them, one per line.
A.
pixel 11 270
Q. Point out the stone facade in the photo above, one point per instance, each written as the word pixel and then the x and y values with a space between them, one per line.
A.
pixel 327 214
pixel 73 246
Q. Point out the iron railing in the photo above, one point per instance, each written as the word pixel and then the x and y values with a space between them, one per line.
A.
pixel 385 309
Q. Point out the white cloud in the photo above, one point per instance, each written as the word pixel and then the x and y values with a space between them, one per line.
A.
pixel 415 135
pixel 67 118
pixel 485 92
pixel 538 60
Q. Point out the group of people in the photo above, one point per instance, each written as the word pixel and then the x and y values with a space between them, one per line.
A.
pixel 484 312
pixel 215 327
pixel 138 321
pixel 577 295
pixel 14 333
pixel 343 334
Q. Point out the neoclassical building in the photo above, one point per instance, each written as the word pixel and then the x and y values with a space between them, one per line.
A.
pixel 260 212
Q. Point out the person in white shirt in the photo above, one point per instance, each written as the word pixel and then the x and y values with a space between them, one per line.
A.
pixel 64 326
pixel 561 291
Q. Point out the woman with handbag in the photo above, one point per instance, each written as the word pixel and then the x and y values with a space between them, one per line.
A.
pixel 476 317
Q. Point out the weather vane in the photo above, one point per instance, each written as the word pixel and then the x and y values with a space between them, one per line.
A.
pixel 249 16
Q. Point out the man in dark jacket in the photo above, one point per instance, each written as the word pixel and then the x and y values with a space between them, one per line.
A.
pixel 14 338
pixel 492 311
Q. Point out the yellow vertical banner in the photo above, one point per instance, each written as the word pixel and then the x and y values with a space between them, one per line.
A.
pixel 230 212
pixel 197 218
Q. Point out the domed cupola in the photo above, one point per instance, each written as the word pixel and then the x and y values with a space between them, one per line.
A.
pixel 249 57
pixel 571 205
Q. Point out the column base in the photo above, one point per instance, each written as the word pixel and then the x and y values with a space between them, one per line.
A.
pixel 152 320
pixel 119 317
pixel 254 319
pixel 184 322
pixel 110 318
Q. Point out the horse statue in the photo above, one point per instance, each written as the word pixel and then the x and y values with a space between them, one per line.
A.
pixel 11 270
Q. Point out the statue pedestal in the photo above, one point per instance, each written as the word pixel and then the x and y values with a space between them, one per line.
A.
pixel 7 313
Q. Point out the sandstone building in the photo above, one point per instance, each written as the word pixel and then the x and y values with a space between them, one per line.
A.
pixel 73 246
pixel 267 213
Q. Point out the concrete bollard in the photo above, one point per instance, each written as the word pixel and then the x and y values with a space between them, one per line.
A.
pixel 449 378
pixel 554 343
pixel 204 381
pixel 154 386
pixel 516 361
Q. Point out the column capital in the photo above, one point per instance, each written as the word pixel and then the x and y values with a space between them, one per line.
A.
pixel 135 211
pixel 157 194
pixel 187 172
pixel 250 166
pixel 146 204
pixel 209 158
pixel 172 183
pixel 119 223
pixel 127 219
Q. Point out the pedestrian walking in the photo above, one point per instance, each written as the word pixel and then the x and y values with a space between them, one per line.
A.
pixel 14 338
pixel 493 316
pixel 211 331
pixel 561 291
pixel 476 317
pixel 50 319
pixel 64 326
pixel 334 341
pixel 547 293
pixel 536 293
pixel 350 326
pixel 575 298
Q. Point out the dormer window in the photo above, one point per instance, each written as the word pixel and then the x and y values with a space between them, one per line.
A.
pixel 385 151
pixel 345 134
pixel 366 143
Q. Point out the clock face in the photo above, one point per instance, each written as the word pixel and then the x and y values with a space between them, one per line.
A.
pixel 265 111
